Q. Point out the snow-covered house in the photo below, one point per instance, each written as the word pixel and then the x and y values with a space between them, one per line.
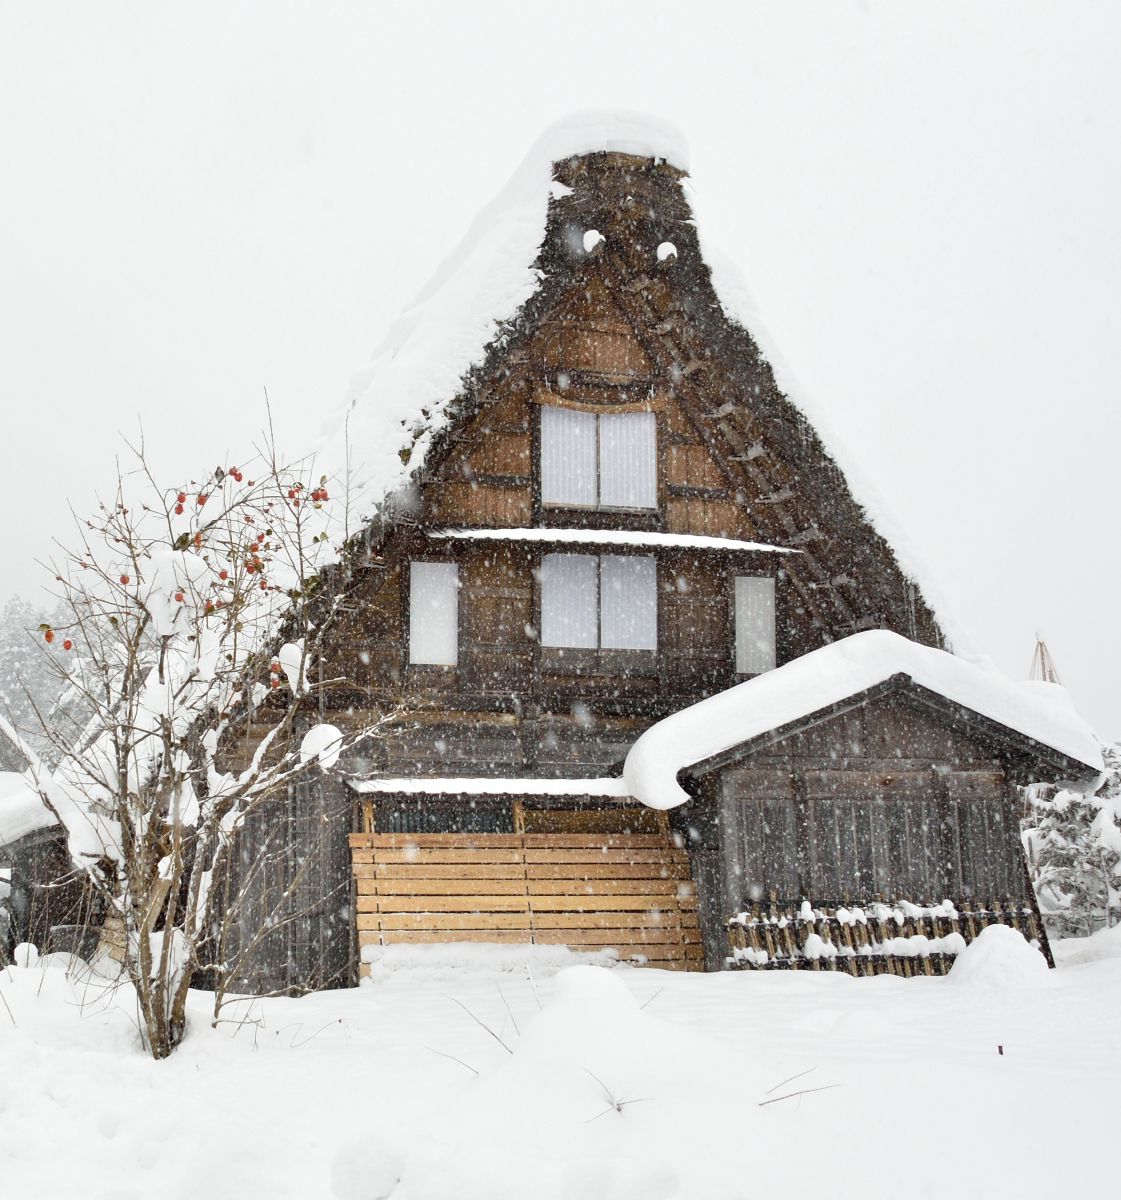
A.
pixel 41 899
pixel 606 549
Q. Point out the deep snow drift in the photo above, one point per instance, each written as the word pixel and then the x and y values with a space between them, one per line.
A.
pixel 587 1084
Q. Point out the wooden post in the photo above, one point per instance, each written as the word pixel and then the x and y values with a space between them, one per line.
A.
pixel 518 811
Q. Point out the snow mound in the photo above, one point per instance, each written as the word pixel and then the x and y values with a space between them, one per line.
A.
pixel 999 956
pixel 1073 952
pixel 452 960
pixel 828 676
pixel 594 1091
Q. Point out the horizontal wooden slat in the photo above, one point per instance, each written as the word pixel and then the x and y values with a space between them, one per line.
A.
pixel 425 857
pixel 611 841
pixel 601 870
pixel 395 937
pixel 601 904
pixel 442 887
pixel 605 856
pixel 605 887
pixel 446 841
pixel 609 920
pixel 446 920
pixel 423 871
pixel 442 904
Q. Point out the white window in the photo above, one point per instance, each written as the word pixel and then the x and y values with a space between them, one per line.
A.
pixel 609 600
pixel 434 613
pixel 755 624
pixel 608 461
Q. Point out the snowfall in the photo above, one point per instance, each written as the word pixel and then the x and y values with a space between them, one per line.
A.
pixel 498 1072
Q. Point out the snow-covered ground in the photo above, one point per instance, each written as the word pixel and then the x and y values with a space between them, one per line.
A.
pixel 620 1084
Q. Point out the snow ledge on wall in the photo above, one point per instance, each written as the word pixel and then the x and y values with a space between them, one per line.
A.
pixel 833 674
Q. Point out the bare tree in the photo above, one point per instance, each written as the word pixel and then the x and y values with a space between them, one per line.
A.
pixel 188 612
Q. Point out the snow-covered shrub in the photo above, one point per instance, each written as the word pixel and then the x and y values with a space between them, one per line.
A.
pixel 1073 843
pixel 182 611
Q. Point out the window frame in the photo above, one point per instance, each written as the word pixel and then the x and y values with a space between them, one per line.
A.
pixel 638 517
pixel 411 668
pixel 734 621
pixel 599 648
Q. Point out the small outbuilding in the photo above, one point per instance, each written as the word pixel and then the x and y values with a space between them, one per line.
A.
pixel 874 778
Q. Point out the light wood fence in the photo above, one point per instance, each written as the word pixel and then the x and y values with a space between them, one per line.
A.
pixel 583 890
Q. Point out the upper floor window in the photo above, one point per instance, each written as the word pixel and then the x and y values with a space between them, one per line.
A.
pixel 608 601
pixel 434 613
pixel 755 624
pixel 594 460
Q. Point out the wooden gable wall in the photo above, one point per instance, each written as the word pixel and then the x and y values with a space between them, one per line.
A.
pixel 613 331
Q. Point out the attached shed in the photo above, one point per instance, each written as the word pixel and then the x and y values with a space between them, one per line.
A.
pixel 41 896
pixel 872 774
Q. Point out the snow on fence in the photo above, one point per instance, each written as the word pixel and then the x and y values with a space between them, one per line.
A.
pixel 898 938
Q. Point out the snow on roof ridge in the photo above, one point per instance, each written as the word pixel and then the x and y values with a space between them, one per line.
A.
pixel 609 537
pixel 503 786
pixel 832 674
pixel 400 400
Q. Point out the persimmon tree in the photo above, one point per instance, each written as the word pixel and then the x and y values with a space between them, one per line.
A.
pixel 187 610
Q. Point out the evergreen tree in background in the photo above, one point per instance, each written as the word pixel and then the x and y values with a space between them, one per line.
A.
pixel 30 684
pixel 1073 842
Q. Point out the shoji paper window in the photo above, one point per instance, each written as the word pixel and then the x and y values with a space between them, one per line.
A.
pixel 588 601
pixel 568 457
pixel 628 610
pixel 609 461
pixel 569 600
pixel 434 613
pixel 755 624
pixel 628 476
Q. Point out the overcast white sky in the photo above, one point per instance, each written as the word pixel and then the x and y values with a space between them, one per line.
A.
pixel 200 201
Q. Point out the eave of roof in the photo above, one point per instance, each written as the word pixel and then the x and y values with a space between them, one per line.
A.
pixel 472 786
pixel 835 675
pixel 609 537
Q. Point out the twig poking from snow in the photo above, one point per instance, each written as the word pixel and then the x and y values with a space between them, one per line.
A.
pixel 509 1010
pixel 790 1080
pixel 618 1107
pixel 10 1013
pixel 614 1105
pixel 292 1045
pixel 652 998
pixel 478 1022
pixel 454 1059
pixel 533 984
pixel 803 1092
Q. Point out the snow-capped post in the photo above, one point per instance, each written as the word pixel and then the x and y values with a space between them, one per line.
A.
pixel 195 608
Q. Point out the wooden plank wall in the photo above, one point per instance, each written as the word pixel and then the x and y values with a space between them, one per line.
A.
pixel 583 890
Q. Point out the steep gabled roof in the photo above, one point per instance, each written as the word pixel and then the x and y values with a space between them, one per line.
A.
pixel 518 273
